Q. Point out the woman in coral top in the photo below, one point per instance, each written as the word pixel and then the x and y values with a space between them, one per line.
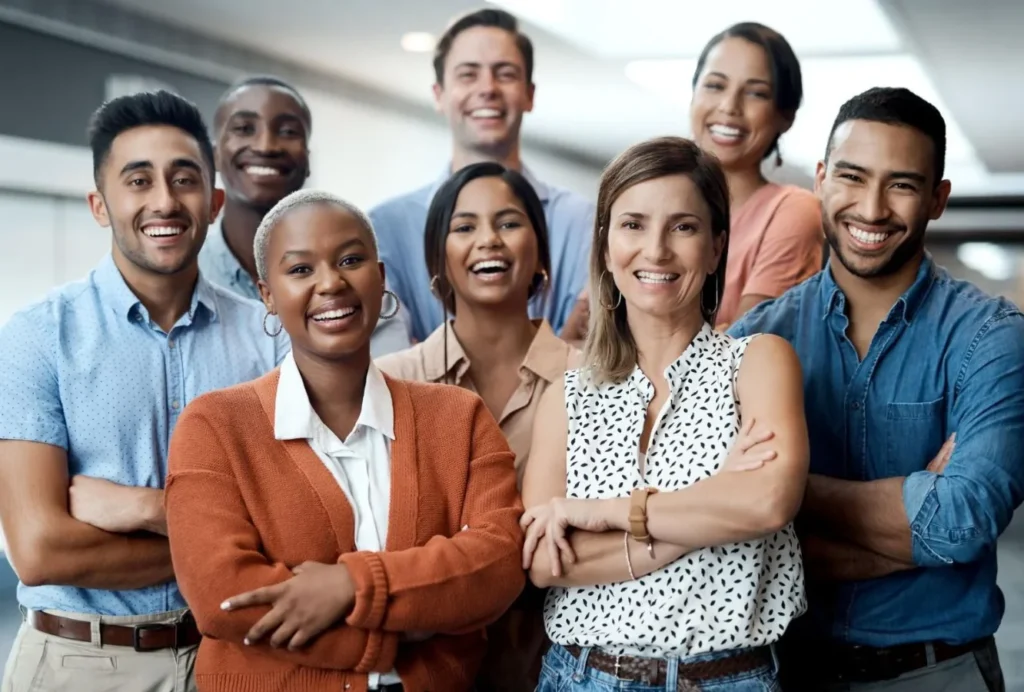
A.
pixel 332 528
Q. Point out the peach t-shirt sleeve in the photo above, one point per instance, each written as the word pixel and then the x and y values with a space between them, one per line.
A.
pixel 791 249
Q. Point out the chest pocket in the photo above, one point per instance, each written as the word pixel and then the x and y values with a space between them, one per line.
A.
pixel 914 434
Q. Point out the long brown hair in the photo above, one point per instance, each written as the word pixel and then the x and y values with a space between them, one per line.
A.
pixel 610 353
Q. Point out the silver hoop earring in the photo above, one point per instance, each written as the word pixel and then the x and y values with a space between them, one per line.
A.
pixel 713 310
pixel 397 305
pixel 267 331
pixel 600 299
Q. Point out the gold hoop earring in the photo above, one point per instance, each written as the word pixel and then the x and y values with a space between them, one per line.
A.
pixel 267 331
pixel 397 305
pixel 600 298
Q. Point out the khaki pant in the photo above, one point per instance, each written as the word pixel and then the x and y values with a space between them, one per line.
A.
pixel 44 663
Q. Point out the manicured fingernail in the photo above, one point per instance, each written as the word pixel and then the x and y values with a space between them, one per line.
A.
pixel 226 605
pixel 246 641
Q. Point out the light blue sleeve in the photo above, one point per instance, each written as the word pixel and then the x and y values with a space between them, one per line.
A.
pixel 30 403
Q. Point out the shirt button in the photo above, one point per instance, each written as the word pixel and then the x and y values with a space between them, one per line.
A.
pixel 170 343
pixel 175 404
pixel 856 406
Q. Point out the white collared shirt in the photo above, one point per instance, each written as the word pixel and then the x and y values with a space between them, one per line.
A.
pixel 361 464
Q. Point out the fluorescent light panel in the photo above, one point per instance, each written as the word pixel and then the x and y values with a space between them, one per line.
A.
pixel 627 29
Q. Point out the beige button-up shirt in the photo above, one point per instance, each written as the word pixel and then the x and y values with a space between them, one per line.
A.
pixel 546 361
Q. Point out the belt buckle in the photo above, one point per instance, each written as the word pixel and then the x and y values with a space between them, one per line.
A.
pixel 138 629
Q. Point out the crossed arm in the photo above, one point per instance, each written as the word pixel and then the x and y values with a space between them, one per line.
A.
pixel 725 508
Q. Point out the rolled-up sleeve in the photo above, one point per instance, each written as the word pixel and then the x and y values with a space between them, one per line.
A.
pixel 957 516
pixel 30 404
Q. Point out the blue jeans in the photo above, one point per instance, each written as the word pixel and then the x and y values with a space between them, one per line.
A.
pixel 562 672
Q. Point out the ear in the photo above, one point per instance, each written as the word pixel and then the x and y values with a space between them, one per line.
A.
pixel 266 297
pixel 717 248
pixel 309 163
pixel 438 93
pixel 819 177
pixel 98 207
pixel 531 90
pixel 216 203
pixel 940 199
pixel 383 274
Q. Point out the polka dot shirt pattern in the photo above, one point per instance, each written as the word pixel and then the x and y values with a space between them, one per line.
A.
pixel 710 600
pixel 85 369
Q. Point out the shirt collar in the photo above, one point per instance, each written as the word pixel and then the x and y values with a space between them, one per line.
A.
pixel 115 290
pixel 547 357
pixel 295 419
pixel 675 373
pixel 542 190
pixel 227 265
pixel 907 305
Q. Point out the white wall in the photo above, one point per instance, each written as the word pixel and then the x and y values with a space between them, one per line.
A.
pixel 363 153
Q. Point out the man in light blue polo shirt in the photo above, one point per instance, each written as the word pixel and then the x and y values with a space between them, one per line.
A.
pixel 483 68
pixel 95 377
pixel 262 129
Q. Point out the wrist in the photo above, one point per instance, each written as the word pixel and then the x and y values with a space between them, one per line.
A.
pixel 618 514
pixel 150 503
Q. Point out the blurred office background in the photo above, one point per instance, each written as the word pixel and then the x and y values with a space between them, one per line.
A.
pixel 608 73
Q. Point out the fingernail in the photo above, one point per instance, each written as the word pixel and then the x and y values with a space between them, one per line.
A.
pixel 226 605
pixel 246 641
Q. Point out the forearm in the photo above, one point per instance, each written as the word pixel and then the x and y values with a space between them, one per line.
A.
pixel 833 559
pixel 869 514
pixel 71 553
pixel 601 559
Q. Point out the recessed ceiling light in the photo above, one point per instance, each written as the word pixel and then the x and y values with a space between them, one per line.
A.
pixel 418 42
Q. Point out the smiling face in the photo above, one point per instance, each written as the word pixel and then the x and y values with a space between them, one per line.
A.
pixel 157 196
pixel 491 253
pixel 878 193
pixel 262 145
pixel 485 92
pixel 323 281
pixel 733 113
pixel 661 248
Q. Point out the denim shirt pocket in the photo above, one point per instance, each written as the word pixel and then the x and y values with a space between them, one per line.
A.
pixel 914 434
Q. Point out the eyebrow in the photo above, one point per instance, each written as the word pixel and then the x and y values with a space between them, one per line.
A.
pixel 672 217
pixel 306 253
pixel 148 165
pixel 253 115
pixel 724 76
pixel 891 175
pixel 477 65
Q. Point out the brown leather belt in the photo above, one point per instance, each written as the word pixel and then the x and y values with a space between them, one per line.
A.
pixel 852 663
pixel 653 671
pixel 139 637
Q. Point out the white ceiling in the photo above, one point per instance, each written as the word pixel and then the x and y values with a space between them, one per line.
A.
pixel 613 72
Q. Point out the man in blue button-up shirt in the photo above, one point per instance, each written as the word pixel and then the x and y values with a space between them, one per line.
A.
pixel 94 379
pixel 483 68
pixel 900 520
pixel 263 127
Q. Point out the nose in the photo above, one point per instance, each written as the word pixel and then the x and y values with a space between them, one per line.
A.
pixel 164 200
pixel 873 206
pixel 266 140
pixel 656 247
pixel 486 83
pixel 731 102
pixel 487 236
pixel 330 281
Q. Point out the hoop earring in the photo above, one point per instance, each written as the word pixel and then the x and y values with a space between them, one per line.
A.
pixel 267 331
pixel 601 300
pixel 778 157
pixel 543 274
pixel 398 305
pixel 713 310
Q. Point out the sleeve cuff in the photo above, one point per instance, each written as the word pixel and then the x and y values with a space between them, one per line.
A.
pixel 921 505
pixel 40 431
pixel 371 582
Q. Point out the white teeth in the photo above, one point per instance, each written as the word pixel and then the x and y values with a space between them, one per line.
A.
pixel 500 265
pixel 486 113
pixel 333 314
pixel 725 131
pixel 866 237
pixel 655 278
pixel 262 171
pixel 162 231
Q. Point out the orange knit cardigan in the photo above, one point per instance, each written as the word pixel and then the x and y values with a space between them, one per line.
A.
pixel 244 508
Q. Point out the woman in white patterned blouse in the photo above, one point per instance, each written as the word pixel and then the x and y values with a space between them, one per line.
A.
pixel 658 510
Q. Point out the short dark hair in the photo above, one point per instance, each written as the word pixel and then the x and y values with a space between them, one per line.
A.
pixel 787 79
pixel 896 106
pixel 140 110
pixel 499 19
pixel 267 81
pixel 439 219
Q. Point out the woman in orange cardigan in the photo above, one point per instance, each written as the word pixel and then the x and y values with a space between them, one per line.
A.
pixel 332 528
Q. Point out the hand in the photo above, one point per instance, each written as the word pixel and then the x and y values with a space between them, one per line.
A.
pixel 941 460
pixel 575 327
pixel 301 608
pixel 742 456
pixel 116 508
pixel 550 521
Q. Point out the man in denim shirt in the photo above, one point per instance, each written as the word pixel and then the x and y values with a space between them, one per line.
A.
pixel 900 519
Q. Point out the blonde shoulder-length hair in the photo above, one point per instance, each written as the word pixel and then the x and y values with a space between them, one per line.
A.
pixel 610 353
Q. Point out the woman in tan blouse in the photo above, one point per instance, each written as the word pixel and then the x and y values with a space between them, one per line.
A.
pixel 487 253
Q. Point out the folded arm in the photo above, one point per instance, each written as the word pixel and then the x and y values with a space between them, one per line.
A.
pixel 47 546
pixel 832 559
pixel 217 555
pixel 454 584
pixel 956 516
